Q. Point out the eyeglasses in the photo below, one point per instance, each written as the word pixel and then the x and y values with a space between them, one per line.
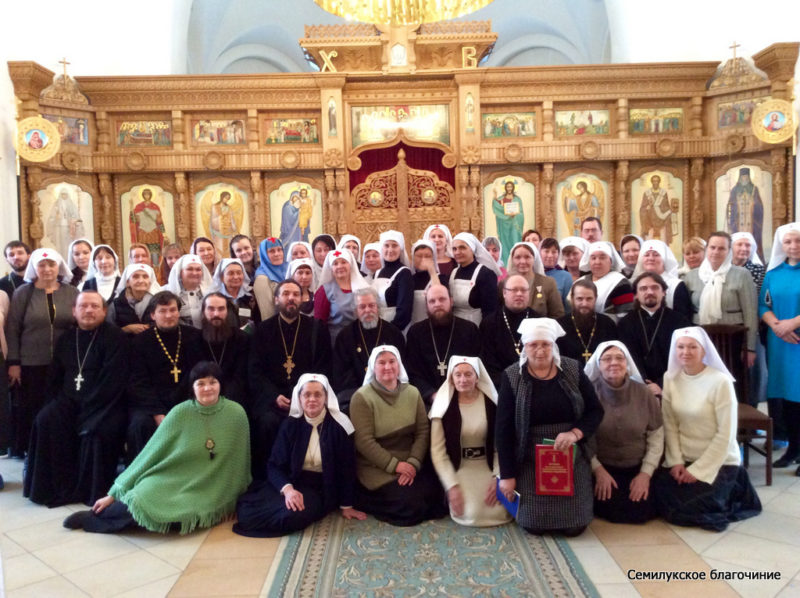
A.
pixel 516 290
pixel 613 359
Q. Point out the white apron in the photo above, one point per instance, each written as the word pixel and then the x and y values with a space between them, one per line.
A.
pixel 381 285
pixel 459 291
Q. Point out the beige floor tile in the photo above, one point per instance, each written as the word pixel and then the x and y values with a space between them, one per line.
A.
pixel 42 535
pixel 749 551
pixel 157 589
pixel 215 577
pixel 587 539
pixel 146 539
pixel 696 538
pixel 617 590
pixel 9 548
pixel 222 543
pixel 83 550
pixel 178 551
pixel 653 532
pixel 26 513
pixel 599 565
pixel 761 588
pixel 772 526
pixel 25 569
pixel 685 589
pixel 784 504
pixel 679 557
pixel 55 587
pixel 792 590
pixel 794 488
pixel 121 574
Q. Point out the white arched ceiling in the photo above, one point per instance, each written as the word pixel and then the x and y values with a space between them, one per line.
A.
pixel 236 36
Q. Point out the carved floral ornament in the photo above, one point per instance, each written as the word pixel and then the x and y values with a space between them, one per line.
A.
pixel 333 158
pixel 589 150
pixel 400 12
pixel 470 154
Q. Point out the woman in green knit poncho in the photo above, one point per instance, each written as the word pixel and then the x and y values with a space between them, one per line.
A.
pixel 189 474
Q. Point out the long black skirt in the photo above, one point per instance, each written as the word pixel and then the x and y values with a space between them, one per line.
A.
pixel 709 506
pixel 26 402
pixel 620 508
pixel 405 505
pixel 262 512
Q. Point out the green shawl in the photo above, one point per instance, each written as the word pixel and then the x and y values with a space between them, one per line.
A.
pixel 173 480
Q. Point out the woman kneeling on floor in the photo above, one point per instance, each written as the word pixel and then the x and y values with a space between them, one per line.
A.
pixel 311 469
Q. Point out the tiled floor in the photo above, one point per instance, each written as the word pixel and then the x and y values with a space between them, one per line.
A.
pixel 42 559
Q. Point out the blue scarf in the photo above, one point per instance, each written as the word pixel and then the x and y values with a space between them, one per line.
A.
pixel 267 268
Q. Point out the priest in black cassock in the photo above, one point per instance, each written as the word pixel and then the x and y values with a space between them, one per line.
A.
pixel 431 342
pixel 500 341
pixel 283 348
pixel 585 329
pixel 647 330
pixel 161 359
pixel 355 343
pixel 77 437
pixel 17 255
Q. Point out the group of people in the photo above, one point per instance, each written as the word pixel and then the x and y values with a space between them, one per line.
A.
pixel 284 383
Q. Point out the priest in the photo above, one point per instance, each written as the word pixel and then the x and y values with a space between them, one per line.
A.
pixel 284 347
pixel 355 343
pixel 77 438
pixel 584 327
pixel 431 342
pixel 162 358
pixel 17 255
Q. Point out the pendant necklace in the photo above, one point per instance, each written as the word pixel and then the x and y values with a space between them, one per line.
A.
pixel 364 341
pixel 210 444
pixel 214 357
pixel 79 378
pixel 289 365
pixel 650 342
pixel 586 353
pixel 442 367
pixel 517 343
pixel 174 361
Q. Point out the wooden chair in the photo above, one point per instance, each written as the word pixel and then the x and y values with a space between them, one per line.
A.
pixel 729 339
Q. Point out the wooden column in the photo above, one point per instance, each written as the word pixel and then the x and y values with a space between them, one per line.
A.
pixel 257 204
pixel 548 209
pixel 36 229
pixel 779 197
pixel 107 225
pixel 696 218
pixel 474 202
pixel 183 228
pixel 340 177
pixel 622 201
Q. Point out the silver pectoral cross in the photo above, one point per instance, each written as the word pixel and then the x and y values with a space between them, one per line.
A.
pixel 78 380
pixel 442 367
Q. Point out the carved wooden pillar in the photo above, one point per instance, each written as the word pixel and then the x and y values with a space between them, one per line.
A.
pixel 103 136
pixel 177 130
pixel 696 218
pixel 547 120
pixel 183 229
pixel 622 118
pixel 252 129
pixel 622 201
pixel 257 204
pixel 779 207
pixel 36 228
pixel 549 221
pixel 474 202
pixel 331 212
pixel 463 184
pixel 696 117
pixel 341 187
pixel 107 224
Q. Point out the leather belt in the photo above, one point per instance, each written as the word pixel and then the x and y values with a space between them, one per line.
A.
pixel 473 452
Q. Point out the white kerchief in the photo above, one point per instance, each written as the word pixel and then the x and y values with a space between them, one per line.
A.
pixel 174 283
pixel 445 393
pixel 128 272
pixel 494 241
pixel 219 285
pixel 94 272
pixel 578 243
pixel 670 262
pixel 778 254
pixel 356 280
pixel 538 264
pixel 424 243
pixel 299 263
pixel 592 367
pixel 540 329
pixel 711 357
pixel 448 245
pixel 370 247
pixel 711 298
pixel 482 256
pixel 345 239
pixel 617 264
pixel 373 357
pixel 753 246
pixel 332 404
pixel 45 253
pixel 70 260
pixel 400 239
pixel 307 245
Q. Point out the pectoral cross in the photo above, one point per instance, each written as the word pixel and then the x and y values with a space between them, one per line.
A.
pixel 442 367
pixel 175 372
pixel 586 355
pixel 288 365
pixel 78 380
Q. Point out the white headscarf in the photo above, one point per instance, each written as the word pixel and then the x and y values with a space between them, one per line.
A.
pixel 373 357
pixel 424 243
pixel 174 282
pixel 345 239
pixel 670 262
pixel 482 256
pixel 356 280
pixel 128 272
pixel 778 254
pixel 710 310
pixel 538 264
pixel 219 285
pixel 578 243
pixel 370 247
pixel 753 246
pixel 332 404
pixel 448 245
pixel 445 393
pixel 288 256
pixel 94 272
pixel 592 367
pixel 71 260
pixel 617 263
pixel 299 263
pixel 45 253
pixel 711 357
pixel 540 329
pixel 490 240
pixel 400 239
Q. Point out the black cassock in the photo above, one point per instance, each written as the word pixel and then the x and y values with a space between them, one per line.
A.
pixel 353 346
pixel 500 340
pixel 423 369
pixel 231 356
pixel 153 389
pixel 77 437
pixel 570 345
pixel 270 377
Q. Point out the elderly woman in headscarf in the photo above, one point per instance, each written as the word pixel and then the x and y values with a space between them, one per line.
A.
pixel 572 250
pixel 462 443
pixel 353 245
pixel 301 271
pixel 779 307
pixel 495 249
pixel 630 439
pixel 371 261
pixel 394 281
pixel 425 272
pixel 545 300
pixel 546 396
pixel 473 284
pixel 702 482
pixel 129 310
pixel 334 301
pixel 270 272
pixel 231 279
pixel 40 312
pixel 392 438
pixel 79 257
pixel 442 240
pixel 190 280
pixel 103 274
pixel 311 470
pixel 614 291
pixel 656 256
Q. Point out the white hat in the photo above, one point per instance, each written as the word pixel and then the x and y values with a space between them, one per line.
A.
pixel 670 262
pixel 592 367
pixel 448 245
pixel 482 256
pixel 424 243
pixel 578 243
pixel 345 239
pixel 45 253
pixel 604 247
pixel 299 263
pixel 219 285
pixel 370 247
pixel 445 393
pixel 778 254
pixel 373 357
pixel 70 260
pixel 332 404
pixel 305 244
pixel 540 329
pixel 400 239
pixel 356 280
pixel 128 272
pixel 753 246
pixel 711 357
pixel 174 281
pixel 538 264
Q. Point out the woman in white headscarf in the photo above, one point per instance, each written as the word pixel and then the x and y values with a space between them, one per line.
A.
pixel 572 250
pixel 371 260
pixel 353 245
pixel 462 443
pixel 231 279
pixel 301 270
pixel 79 258
pixel 425 272
pixel 394 281
pixel 392 438
pixel 311 469
pixel 702 482
pixel 104 273
pixel 442 239
pixel 656 256
pixel 128 310
pixel 779 307
pixel 614 291
pixel 545 300
pixel 334 302
pixel 546 396
pixel 630 439
pixel 495 249
pixel 190 280
pixel 473 284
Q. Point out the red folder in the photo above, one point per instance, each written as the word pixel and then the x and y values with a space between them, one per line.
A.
pixel 554 471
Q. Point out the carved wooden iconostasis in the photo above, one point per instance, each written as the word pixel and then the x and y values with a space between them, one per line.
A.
pixel 662 150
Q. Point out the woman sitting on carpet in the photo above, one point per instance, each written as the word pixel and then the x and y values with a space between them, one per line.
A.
pixel 702 482
pixel 462 443
pixel 189 473
pixel 311 470
pixel 392 437
pixel 630 439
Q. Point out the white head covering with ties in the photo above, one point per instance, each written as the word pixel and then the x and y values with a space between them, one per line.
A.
pixel 174 281
pixel 94 272
pixel 356 280
pixel 617 264
pixel 711 357
pixel 670 262
pixel 299 263
pixel 370 247
pixel 128 272
pixel 424 243
pixel 445 393
pixel 71 260
pixel 45 253
pixel 592 367
pixel 753 246
pixel 219 284
pixel 540 329
pixel 538 264
pixel 448 244
pixel 778 254
pixel 373 357
pixel 400 239
pixel 345 239
pixel 482 255
pixel 578 243
pixel 332 403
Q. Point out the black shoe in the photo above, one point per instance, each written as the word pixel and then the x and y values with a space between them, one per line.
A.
pixel 77 520
pixel 786 460
pixel 797 472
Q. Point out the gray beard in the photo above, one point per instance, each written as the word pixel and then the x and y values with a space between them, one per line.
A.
pixel 369 325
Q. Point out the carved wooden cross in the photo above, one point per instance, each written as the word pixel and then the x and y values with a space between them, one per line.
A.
pixel 733 47
pixel 64 62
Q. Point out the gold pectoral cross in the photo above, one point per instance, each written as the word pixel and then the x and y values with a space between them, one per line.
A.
pixel 586 355
pixel 175 372
pixel 288 365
